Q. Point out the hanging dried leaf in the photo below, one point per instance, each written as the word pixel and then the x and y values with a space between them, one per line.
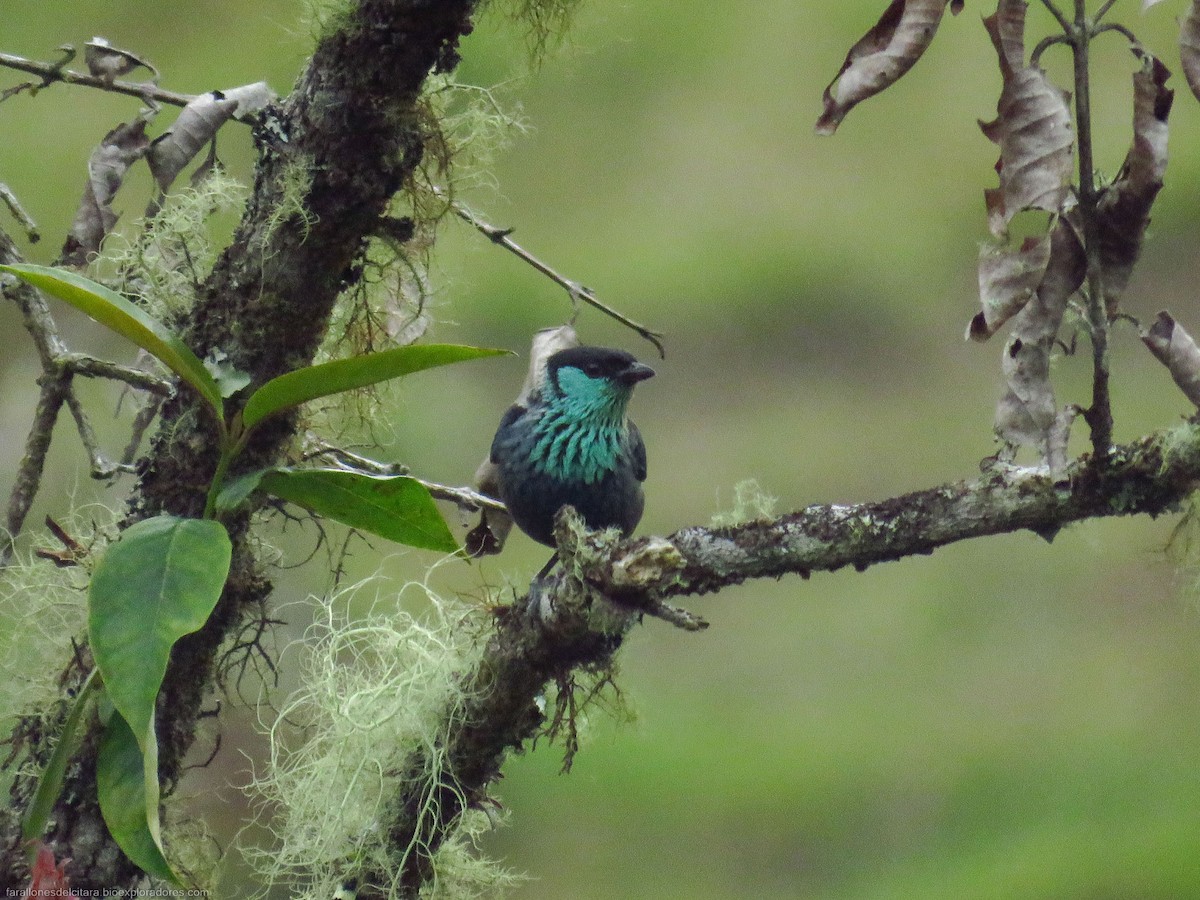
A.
pixel 1026 415
pixel 251 99
pixel 1189 46
pixel 882 56
pixel 1008 279
pixel 1176 350
pixel 121 148
pixel 198 124
pixel 1123 210
pixel 107 62
pixel 1033 128
pixel 488 537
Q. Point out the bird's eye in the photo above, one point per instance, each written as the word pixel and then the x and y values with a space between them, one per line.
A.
pixel 592 370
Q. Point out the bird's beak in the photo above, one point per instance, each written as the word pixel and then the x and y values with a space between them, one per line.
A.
pixel 636 372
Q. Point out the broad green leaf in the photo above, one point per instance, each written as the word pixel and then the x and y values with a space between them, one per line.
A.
pixel 398 508
pixel 235 491
pixel 157 583
pixel 121 791
pixel 116 313
pixel 51 781
pixel 303 385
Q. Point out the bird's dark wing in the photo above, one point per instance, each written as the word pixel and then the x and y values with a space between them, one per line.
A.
pixel 511 415
pixel 638 450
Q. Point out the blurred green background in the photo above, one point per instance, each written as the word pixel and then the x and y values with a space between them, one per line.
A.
pixel 1006 718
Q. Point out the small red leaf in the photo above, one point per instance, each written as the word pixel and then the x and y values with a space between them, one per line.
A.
pixel 49 878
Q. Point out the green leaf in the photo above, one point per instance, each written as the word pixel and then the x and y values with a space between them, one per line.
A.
pixel 116 313
pixel 303 385
pixel 234 492
pixel 51 781
pixel 398 508
pixel 157 583
pixel 229 379
pixel 121 791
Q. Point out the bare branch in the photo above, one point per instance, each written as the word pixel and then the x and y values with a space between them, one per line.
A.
pixel 59 366
pixel 1063 21
pixel 141 422
pixel 1103 10
pixel 51 73
pixel 102 469
pixel 92 367
pixel 29 472
pixel 18 212
pixel 577 292
pixel 1099 415
pixel 465 498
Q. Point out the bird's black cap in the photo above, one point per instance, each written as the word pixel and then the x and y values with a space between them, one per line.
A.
pixel 600 362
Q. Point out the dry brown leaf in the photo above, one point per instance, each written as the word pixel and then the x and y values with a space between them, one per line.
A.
pixel 197 124
pixel 1189 46
pixel 107 62
pixel 1008 279
pixel 1027 414
pixel 1176 350
pixel 489 535
pixel 1123 210
pixel 882 56
pixel 1033 128
pixel 95 218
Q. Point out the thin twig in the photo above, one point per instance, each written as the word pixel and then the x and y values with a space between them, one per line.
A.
pixel 51 73
pixel 102 469
pixel 1045 44
pixel 1102 11
pixel 465 498
pixel 1120 29
pixel 91 367
pixel 1058 14
pixel 1099 415
pixel 19 213
pixel 574 289
pixel 29 473
pixel 141 423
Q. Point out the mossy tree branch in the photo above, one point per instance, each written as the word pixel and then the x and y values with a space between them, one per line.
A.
pixel 350 135
pixel 580 617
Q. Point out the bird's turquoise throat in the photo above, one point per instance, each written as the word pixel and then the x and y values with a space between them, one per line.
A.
pixel 578 435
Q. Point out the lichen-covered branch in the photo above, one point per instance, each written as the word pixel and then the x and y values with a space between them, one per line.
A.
pixel 1151 476
pixel 580 616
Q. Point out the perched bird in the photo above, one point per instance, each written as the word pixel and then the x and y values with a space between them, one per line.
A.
pixel 490 535
pixel 571 442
